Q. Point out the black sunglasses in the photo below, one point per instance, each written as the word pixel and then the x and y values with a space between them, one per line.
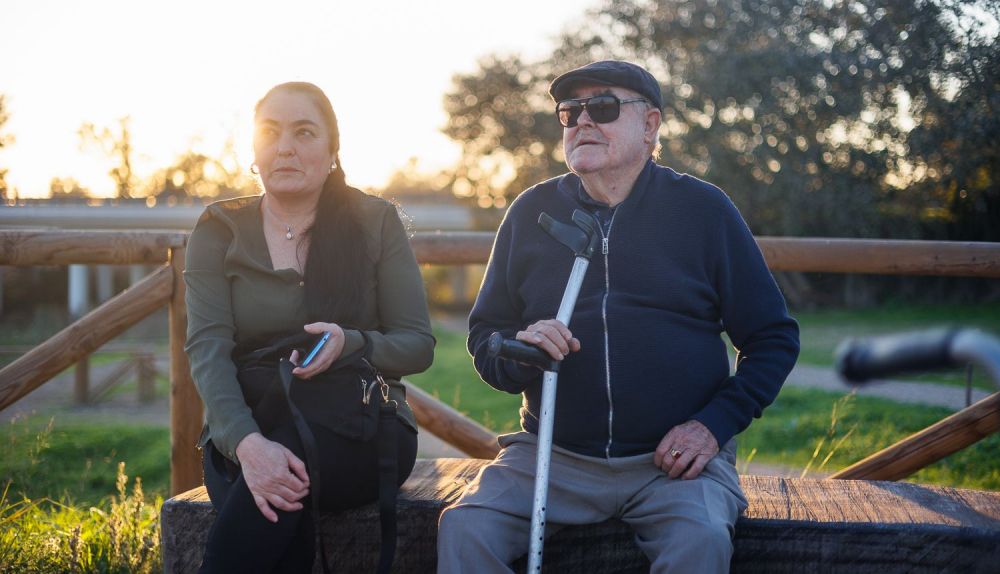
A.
pixel 602 109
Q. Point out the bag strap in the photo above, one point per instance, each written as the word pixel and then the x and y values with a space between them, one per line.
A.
pixel 387 489
pixel 387 463
pixel 308 440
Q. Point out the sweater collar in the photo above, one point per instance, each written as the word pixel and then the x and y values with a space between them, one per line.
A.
pixel 572 186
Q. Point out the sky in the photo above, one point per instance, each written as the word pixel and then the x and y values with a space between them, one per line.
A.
pixel 188 73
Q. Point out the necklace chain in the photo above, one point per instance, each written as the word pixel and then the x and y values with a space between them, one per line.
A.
pixel 288 228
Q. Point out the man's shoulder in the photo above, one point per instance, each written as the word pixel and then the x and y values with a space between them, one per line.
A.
pixel 543 192
pixel 686 186
pixel 663 175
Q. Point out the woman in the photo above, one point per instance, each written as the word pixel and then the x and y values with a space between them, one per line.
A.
pixel 310 253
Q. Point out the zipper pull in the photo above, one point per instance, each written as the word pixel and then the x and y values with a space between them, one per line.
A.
pixel 604 246
pixel 364 391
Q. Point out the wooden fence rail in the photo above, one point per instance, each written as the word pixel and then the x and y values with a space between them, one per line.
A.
pixel 84 336
pixel 165 286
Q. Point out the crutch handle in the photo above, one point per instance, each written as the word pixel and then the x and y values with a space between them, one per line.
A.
pixel 860 360
pixel 520 352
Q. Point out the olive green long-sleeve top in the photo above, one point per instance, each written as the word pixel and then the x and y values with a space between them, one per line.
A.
pixel 234 294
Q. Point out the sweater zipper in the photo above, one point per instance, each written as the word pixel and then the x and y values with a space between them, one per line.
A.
pixel 604 317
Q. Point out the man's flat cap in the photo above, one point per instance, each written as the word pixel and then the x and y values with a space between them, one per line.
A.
pixel 608 73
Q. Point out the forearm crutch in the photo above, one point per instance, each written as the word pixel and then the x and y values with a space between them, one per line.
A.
pixel 582 238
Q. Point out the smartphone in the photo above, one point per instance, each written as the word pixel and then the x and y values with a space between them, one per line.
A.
pixel 315 350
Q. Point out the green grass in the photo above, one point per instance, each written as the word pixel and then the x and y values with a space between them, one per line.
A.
pixel 77 461
pixel 119 534
pixel 66 505
pixel 454 381
pixel 805 427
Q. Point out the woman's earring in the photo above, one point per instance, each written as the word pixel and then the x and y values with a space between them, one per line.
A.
pixel 253 169
pixel 333 167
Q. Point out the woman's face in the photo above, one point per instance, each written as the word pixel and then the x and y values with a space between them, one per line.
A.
pixel 291 145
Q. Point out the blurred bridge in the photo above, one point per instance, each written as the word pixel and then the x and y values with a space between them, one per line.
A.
pixel 422 216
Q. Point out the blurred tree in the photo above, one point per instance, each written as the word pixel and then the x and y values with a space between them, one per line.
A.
pixel 955 146
pixel 117 145
pixel 195 174
pixel 5 140
pixel 798 109
pixel 802 111
pixel 502 117
pixel 410 181
pixel 67 188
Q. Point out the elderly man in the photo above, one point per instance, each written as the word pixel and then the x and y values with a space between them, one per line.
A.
pixel 646 408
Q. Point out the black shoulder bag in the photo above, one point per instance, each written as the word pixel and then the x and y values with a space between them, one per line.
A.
pixel 350 398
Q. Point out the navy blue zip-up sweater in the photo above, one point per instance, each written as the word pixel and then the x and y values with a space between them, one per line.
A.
pixel 678 267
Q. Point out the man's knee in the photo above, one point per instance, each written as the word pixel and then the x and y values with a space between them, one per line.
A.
pixel 689 546
pixel 709 542
pixel 713 536
pixel 481 532
pixel 453 519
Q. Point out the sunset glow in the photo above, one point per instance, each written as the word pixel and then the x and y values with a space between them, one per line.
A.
pixel 188 74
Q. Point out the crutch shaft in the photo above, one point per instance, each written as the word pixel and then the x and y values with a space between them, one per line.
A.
pixel 546 417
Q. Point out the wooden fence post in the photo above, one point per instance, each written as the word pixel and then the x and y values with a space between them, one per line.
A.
pixel 185 404
pixel 79 304
pixel 145 374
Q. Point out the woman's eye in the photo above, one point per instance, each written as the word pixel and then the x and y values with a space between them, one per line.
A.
pixel 306 132
pixel 266 132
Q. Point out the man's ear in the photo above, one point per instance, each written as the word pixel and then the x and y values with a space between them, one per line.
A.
pixel 652 126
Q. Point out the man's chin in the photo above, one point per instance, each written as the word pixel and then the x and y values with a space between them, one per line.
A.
pixel 586 160
pixel 584 165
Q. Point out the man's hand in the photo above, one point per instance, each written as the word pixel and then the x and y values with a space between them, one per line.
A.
pixel 686 450
pixel 274 475
pixel 551 336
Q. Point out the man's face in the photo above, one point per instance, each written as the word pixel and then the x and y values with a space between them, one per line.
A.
pixel 592 147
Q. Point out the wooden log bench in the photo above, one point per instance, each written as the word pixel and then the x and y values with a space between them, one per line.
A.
pixel 791 525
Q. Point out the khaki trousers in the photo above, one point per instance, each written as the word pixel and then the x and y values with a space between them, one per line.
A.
pixel 681 525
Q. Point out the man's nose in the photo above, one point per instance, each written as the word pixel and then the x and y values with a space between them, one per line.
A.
pixel 584 118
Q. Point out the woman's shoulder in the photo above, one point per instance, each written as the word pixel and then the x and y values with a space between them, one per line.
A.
pixel 374 209
pixel 224 219
pixel 234 208
pixel 372 203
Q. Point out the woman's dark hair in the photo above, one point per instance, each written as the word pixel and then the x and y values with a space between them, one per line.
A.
pixel 337 260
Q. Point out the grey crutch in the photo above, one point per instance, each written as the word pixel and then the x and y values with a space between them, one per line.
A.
pixel 582 239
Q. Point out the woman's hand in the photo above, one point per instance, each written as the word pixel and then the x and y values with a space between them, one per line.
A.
pixel 327 355
pixel 552 336
pixel 274 475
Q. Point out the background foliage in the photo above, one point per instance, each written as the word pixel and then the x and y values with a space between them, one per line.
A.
pixel 848 118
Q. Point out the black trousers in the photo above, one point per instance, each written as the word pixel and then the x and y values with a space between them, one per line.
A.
pixel 242 540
